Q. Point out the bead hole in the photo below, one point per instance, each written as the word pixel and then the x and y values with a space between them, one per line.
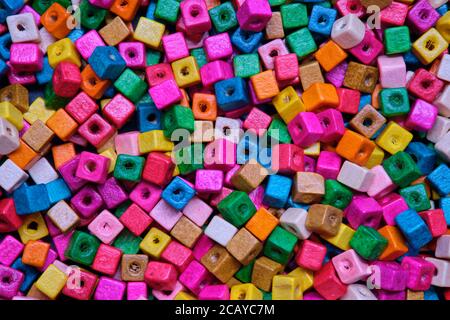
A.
pixel 33 226
pixel 90 166
pixel 20 27
pixel 94 128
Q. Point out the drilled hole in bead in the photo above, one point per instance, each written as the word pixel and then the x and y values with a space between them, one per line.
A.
pixel 394 140
pixel 161 74
pixel 84 247
pixel 185 71
pixel 255 22
pixel 399 165
pixel 415 197
pixel 93 82
pixel 134 267
pixel 226 131
pixel 229 91
pixel 90 14
pixel 362 152
pixel 366 47
pixel 87 200
pixel 353 7
pixel 151 117
pixel 94 128
pixel 195 11
pixel 54 16
pixel 131 54
pixel 322 20
pixel 214 257
pixel 273 53
pixel 423 14
pixel 342 26
pixel 224 16
pixel 426 84
pixel 242 294
pixel 367 122
pixel 9 131
pixel 346 265
pixel 20 27
pixel 368 80
pixel 90 166
pixel 203 107
pixel 6 280
pixel 430 45
pixel 124 3
pixel 243 208
pixel 325 122
pixel 145 194
pixel 286 98
pixel 129 165
pixel 33 226
pixel 156 240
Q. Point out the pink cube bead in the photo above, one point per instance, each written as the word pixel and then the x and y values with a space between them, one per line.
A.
pixel 165 215
pixel 107 259
pixel 146 195
pixel 420 273
pixel 390 295
pixel 87 202
pixel 52 255
pixel 286 67
pixel 26 57
pixel 215 292
pixel 134 54
pixel 11 288
pixel 81 107
pixel 229 174
pixel 10 249
pixel 168 295
pixel 127 143
pixel 195 277
pixel 381 184
pixel 93 167
pixel 312 295
pixel 422 116
pixel 78 287
pixel 368 49
pixel 425 85
pixel 27 9
pixel 68 172
pixel 61 243
pixel 287 158
pixel 421 17
pixel 96 130
pixel 208 181
pixel 159 73
pixel 215 71
pixel 109 289
pixel 254 15
pixel 66 79
pixel 195 16
pixel 202 247
pixel 19 77
pixel 391 275
pixel 336 76
pixel 165 94
pixel 135 219
pixel 305 129
pixel 392 205
pixel 161 276
pixel 257 196
pixel 270 51
pixel 349 266
pixel 394 14
pixel 365 211
pixel 392 71
pixel 332 124
pixel 311 255
pixel 197 211
pixel 175 46
pixel 137 291
pixel 346 7
pixel 119 110
pixel 87 43
pixel 106 227
pixel 220 155
pixel 309 164
pixel 105 4
pixel 178 255
pixel 257 121
pixel 328 164
pixel 218 47
pixel 112 193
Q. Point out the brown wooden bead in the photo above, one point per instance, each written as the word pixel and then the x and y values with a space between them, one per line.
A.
pixel 38 136
pixel 203 132
pixel 415 295
pixel 133 267
pixel 233 282
pixel 36 294
pixel 274 28
pixel 310 73
pixel 324 219
pixel 379 3
pixel 115 32
pixel 249 176
pixel 277 212
pixel 361 77
pixel 244 246
pixel 17 95
pixel 220 263
pixel 309 187
pixel 263 272
pixel 368 121
pixel 186 232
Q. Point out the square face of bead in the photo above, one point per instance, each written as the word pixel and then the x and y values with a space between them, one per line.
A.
pixel 368 121
pixel 246 65
pixel 133 267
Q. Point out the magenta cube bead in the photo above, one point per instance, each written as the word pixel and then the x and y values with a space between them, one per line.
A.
pixel 257 196
pixel 349 267
pixel 220 155
pixel 305 129
pixel 165 215
pixel 391 295
pixel 392 205
pixel 168 295
pixel 109 289
pixel 165 94
pixel 19 77
pixel 381 184
pixel 81 107
pixel 87 202
pixel 422 16
pixel 61 243
pixel 391 276
pixel 195 16
pixel 112 193
pixel 26 57
pixel 332 124
pixel 93 167
pixel 134 54
pixel 197 211
pixel 368 49
pixel 10 282
pixel 215 292
pixel 329 164
pixel 161 276
pixel 51 257
pixel 208 181
pixel 87 43
pixel 52 229
pixel 159 73
pixel 365 211
pixel 202 247
pixel 178 255
pixel 119 110
pixel 286 67
pixel 270 50
pixel 195 277
pixel 10 249
pixel 312 295
pixel 175 46
pixel 336 75
pixel 137 291
pixel 310 164
pixel 218 47
pixel 422 116
pixel 257 121
pixel 346 7
pixel 392 71
pixel 105 4
pixel 215 71
pixel 254 15
pixel 420 273
pixel 96 130
pixel 146 195
pixel 68 172
pixel 229 174
pixel 311 255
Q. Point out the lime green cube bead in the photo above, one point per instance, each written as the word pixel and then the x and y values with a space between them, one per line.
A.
pixel 91 17
pixel 246 65
pixel 129 167
pixel 167 10
pixel 82 248
pixel 177 117
pixel 200 56
pixel 131 85
pixel 368 243
pixel 416 197
pixel 402 169
pixel 127 242
pixel 223 17
pixel 190 158
pixel 280 245
pixel 336 194
pixel 394 102
pixel 294 16
pixel 301 43
pixel 397 40
pixel 237 208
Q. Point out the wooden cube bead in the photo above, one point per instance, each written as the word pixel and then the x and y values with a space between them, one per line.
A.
pixel 361 77
pixel 133 267
pixel 220 263
pixel 368 121
pixel 63 216
pixel 310 73
pixel 203 132
pixel 263 272
pixel 115 32
pixel 309 187
pixel 35 253
pixel 249 176
pixel 324 219
pixel 274 28
pixel 38 136
pixel 186 232
pixel 244 246
pixel 17 95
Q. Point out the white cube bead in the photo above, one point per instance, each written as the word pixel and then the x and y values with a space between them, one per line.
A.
pixel 437 3
pixel 443 71
pixel 22 28
pixel 348 31
pixel 441 276
pixel 443 102
pixel 220 231
pixel 11 176
pixel 46 40
pixel 355 177
pixel 443 247
pixel 42 172
pixel 442 147
pixel 293 220
pixel 229 129
pixel 63 216
pixel 440 128
pixel 358 292
pixel 409 75
pixel 9 137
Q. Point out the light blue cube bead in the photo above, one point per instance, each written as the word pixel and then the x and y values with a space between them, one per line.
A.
pixel 277 191
pixel 178 193
pixel 30 274
pixel 107 63
pixel 440 179
pixel 413 228
pixel 431 294
pixel 247 148
pixel 246 41
pixel 291 204
pixel 444 204
pixel 76 34
pixel 58 190
pixel 425 157
pixel 321 20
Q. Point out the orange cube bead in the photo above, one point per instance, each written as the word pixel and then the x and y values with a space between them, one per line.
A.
pixel 262 224
pixel 62 124
pixel 63 153
pixel 92 84
pixel 185 99
pixel 126 9
pixel 319 96
pixel 330 55
pixel 35 253
pixel 265 85
pixel 204 106
pixel 24 156
pixel 54 19
pixel 376 92
pixel 396 243
pixel 355 147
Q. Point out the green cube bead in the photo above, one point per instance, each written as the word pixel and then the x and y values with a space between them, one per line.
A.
pixel 274 3
pixel 190 158
pixel 42 5
pixel 394 102
pixel 131 85
pixel 223 17
pixel 336 194
pixel 278 131
pixel 416 197
pixel 267 295
pixel 237 208
pixel 301 43
pixel 91 17
pixel 120 210
pixel 53 101
pixel 402 169
pixel 397 40
pixel 199 56
pixel 245 273
pixel 127 242
pixel 129 167
pixel 82 248
pixel 325 4
pixel 246 65
pixel 167 10
pixel 152 57
pixel 294 16
pixel 177 117
pixel 280 245
pixel 368 243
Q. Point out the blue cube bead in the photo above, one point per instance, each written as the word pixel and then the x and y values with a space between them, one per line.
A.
pixel 58 190
pixel 331 252
pixel 291 204
pixel 110 92
pixel 430 294
pixel 321 20
pixel 31 199
pixel 151 10
pixel 246 41
pixel 411 61
pixel 277 191
pixel 3 68
pixel 444 204
pixel 30 274
pixel 247 148
pixel 425 157
pixel 107 63
pixel 364 100
pixel 231 94
pixel 149 118
pixel 45 75
pixel 75 34
pixel 413 228
pixel 9 7
pixel 440 179
pixel 442 9
pixel 178 193
pixel 5 44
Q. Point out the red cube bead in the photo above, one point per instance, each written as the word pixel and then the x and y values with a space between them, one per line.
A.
pixel 425 85
pixel 136 219
pixel 119 110
pixel 286 67
pixel 80 284
pixel 81 107
pixel 66 79
pixel 178 255
pixel 159 73
pixel 161 276
pixel 327 283
pixel 9 220
pixel 107 259
pixel 348 100
pixel 158 169
pixel 435 221
pixel 311 255
pixel 287 158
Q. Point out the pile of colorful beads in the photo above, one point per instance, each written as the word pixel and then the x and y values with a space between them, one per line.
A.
pixel 224 150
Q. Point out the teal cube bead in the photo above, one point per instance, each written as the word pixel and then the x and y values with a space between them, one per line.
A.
pixel 402 169
pixel 223 17
pixel 199 56
pixel 416 197
pixel 397 40
pixel 275 3
pixel 190 158
pixel 237 208
pixel 82 248
pixel 152 57
pixel 127 242
pixel 91 17
pixel 129 167
pixel 301 43
pixel 177 117
pixel 167 10
pixel 336 194
pixel 294 16
pixel 131 85
pixel 368 243
pixel 280 245
pixel 394 102
pixel 278 131
pixel 246 65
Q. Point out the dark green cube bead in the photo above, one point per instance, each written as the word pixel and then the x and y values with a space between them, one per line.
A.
pixel 336 194
pixel 52 100
pixel 237 208
pixel 294 16
pixel 301 43
pixel 278 131
pixel 152 57
pixel 368 243
pixel 394 102
pixel 82 248
pixel 167 10
pixel 200 56
pixel 397 40
pixel 129 167
pixel 402 169
pixel 245 273
pixel 127 242
pixel 131 85
pixel 42 5
pixel 246 65
pixel 177 117
pixel 416 197
pixel 120 210
pixel 280 245
pixel 223 17
pixel 91 17
pixel 190 158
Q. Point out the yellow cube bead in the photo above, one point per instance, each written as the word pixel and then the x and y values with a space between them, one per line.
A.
pixel 394 138
pixel 9 112
pixel 313 150
pixel 184 296
pixel 288 104
pixel 104 102
pixel 435 196
pixel 429 46
pixel 38 111
pixel 246 291
pixel 112 156
pixel 286 288
pixel 32 228
pixel 154 243
pixel 343 237
pixel 306 277
pixel 63 50
pixel 154 141
pixel 149 32
pixel 443 26
pixel 375 158
pixel 186 72
pixel 51 282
